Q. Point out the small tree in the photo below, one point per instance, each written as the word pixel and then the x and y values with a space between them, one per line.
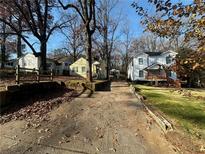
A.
pixel 188 67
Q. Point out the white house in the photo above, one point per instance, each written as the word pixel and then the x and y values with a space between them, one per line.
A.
pixel 10 64
pixel 147 66
pixel 30 61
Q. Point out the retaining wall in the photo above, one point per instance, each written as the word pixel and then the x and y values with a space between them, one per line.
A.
pixel 16 93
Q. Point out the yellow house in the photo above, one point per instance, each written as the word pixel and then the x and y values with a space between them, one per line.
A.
pixel 81 68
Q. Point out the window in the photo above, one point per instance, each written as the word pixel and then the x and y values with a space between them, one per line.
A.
pixel 66 64
pixel 169 74
pixel 141 73
pixel 140 61
pixel 168 59
pixel 83 69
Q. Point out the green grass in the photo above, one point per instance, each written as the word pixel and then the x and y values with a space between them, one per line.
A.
pixel 188 112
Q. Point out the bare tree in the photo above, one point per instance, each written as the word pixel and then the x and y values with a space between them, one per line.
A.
pixel 74 38
pixel 107 27
pixel 36 15
pixel 86 10
pixel 127 41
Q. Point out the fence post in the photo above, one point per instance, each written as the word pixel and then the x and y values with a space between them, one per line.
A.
pixel 38 76
pixel 17 74
pixel 51 78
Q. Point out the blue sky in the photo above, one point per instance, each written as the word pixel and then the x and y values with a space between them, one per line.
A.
pixel 57 39
pixel 128 14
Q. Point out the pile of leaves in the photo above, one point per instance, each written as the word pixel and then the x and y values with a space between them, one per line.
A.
pixel 35 110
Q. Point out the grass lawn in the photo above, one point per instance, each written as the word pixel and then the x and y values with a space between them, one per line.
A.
pixel 187 111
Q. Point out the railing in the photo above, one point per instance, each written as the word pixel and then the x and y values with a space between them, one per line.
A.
pixel 154 77
pixel 37 74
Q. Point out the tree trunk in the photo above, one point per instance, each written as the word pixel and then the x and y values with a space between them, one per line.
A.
pixel 19 47
pixel 105 39
pixel 74 54
pixel 3 53
pixel 108 66
pixel 3 47
pixel 43 55
pixel 126 62
pixel 19 43
pixel 89 52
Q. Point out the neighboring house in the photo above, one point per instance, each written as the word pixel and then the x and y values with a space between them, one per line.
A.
pixel 81 68
pixel 10 63
pixel 30 61
pixel 148 66
pixel 62 67
pixel 114 74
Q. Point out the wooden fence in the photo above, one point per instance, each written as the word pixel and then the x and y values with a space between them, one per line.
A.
pixel 37 75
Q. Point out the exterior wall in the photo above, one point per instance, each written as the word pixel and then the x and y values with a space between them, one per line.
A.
pixel 63 67
pixel 134 67
pixel 29 61
pixel 10 64
pixel 82 62
pixel 162 58
pixel 164 55
pixel 139 67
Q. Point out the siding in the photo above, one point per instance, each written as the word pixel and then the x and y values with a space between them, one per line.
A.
pixel 82 62
pixel 29 61
pixel 133 69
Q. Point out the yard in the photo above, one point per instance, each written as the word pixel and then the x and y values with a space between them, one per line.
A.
pixel 185 107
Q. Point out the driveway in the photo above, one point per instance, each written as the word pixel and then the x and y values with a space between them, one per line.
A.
pixel 104 123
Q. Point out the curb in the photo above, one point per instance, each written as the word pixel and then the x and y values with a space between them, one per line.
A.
pixel 164 124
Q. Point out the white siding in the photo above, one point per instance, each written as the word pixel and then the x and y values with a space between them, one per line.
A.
pixel 137 67
pixel 133 69
pixel 29 61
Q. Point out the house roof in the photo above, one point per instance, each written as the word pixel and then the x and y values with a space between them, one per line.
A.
pixel 169 52
pixel 53 60
pixel 152 66
pixel 94 63
pixel 80 59
pixel 62 59
pixel 153 53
